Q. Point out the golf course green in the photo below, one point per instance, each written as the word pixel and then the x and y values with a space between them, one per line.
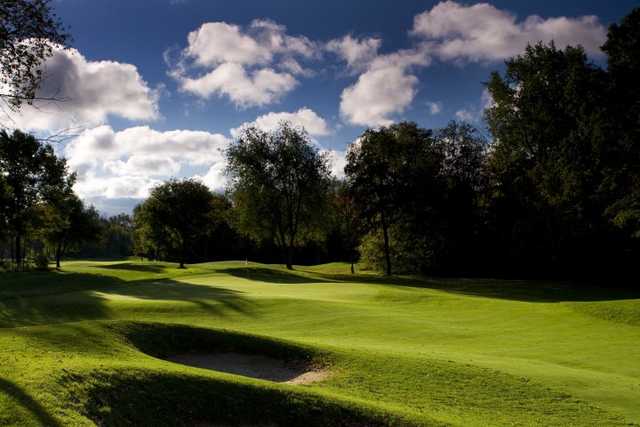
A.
pixel 89 345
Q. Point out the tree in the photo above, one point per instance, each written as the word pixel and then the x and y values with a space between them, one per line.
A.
pixel 68 222
pixel 390 173
pixel 546 165
pixel 175 214
pixel 29 31
pixel 623 174
pixel 459 209
pixel 33 175
pixel 278 183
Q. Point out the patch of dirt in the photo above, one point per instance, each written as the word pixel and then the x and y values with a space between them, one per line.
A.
pixel 255 366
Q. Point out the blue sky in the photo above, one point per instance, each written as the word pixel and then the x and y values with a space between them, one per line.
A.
pixel 183 73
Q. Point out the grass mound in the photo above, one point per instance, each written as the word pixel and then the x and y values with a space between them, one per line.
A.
pixel 145 397
pixel 164 339
pixel 89 345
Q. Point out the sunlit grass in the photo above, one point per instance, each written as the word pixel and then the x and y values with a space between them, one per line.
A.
pixel 424 351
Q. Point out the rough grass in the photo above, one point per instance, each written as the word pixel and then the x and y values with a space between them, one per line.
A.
pixel 85 346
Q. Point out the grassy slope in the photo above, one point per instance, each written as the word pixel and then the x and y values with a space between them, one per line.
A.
pixel 455 351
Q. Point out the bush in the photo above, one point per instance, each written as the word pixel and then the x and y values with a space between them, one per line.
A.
pixel 41 261
pixel 409 254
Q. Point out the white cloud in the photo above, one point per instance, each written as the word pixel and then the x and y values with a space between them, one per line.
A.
pixel 89 93
pixel 386 85
pixel 253 66
pixel 128 163
pixel 358 53
pixel 376 95
pixel 215 177
pixel 434 107
pixel 482 32
pixel 262 87
pixel 304 117
pixel 337 161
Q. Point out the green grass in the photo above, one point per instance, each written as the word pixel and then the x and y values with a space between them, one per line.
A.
pixel 85 346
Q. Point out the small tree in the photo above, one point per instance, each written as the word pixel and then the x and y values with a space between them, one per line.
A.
pixel 175 214
pixel 278 183
pixel 68 222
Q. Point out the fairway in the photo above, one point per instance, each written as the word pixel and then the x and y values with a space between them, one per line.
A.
pixel 87 345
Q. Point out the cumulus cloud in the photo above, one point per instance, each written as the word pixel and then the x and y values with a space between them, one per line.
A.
pixel 377 94
pixel 357 53
pixel 127 163
pixel 86 93
pixel 261 87
pixel 385 85
pixel 482 32
pixel 252 66
pixel 304 117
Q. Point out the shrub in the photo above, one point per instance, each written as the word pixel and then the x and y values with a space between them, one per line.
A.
pixel 41 261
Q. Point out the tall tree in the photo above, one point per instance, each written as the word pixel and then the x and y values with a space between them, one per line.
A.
pixel 390 172
pixel 278 182
pixel 459 208
pixel 33 175
pixel 175 214
pixel 547 122
pixel 29 31
pixel 623 174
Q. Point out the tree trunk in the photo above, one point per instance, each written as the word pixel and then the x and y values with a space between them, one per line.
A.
pixel 289 257
pixel 387 255
pixel 58 256
pixel 182 255
pixel 18 251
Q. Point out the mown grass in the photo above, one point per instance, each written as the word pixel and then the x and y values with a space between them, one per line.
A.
pixel 85 346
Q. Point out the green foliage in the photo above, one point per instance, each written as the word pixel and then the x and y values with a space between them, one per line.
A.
pixel 278 184
pixel 557 181
pixel 622 176
pixel 41 261
pixel 408 252
pixel 388 172
pixel 33 178
pixel 173 216
pixel 29 30
pixel 69 223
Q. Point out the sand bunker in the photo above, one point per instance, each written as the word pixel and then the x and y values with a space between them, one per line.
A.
pixel 255 366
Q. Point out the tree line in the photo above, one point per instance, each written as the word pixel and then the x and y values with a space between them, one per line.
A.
pixel 552 190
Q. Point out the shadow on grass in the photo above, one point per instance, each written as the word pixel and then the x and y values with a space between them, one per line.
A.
pixel 27 402
pixel 516 290
pixel 129 266
pixel 137 397
pixel 63 297
pixel 272 275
